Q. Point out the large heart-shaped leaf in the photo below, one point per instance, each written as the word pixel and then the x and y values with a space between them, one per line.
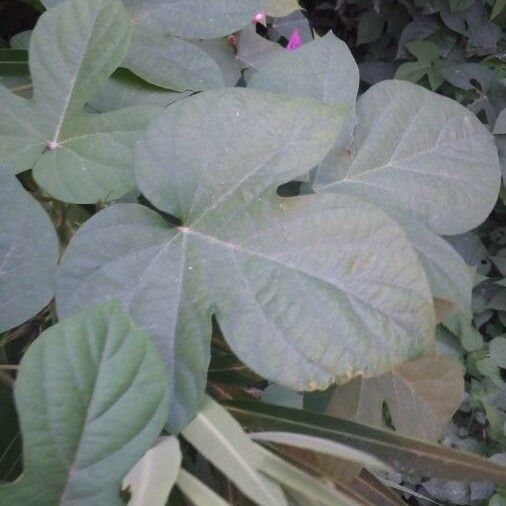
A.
pixel 423 156
pixel 28 254
pixel 307 290
pixel 75 157
pixel 92 398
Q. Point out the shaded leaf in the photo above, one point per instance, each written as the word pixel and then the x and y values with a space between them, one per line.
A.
pixel 422 395
pixel 28 255
pixel 96 385
pixel 172 63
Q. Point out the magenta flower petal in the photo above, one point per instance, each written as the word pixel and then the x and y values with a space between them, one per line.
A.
pixel 295 41
pixel 259 17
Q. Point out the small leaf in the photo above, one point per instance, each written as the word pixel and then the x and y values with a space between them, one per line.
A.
pixel 497 351
pixel 217 436
pixel 153 477
pixel 28 255
pixel 91 398
pixel 423 50
pixel 370 27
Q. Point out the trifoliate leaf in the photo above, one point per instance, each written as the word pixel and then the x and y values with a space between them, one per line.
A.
pixel 92 398
pixel 280 274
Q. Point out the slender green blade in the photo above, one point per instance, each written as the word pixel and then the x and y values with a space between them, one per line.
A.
pixel 406 454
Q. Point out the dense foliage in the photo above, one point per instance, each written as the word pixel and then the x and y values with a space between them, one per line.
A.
pixel 248 262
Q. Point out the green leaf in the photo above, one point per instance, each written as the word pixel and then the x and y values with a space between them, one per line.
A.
pixel 75 157
pixel 323 69
pixel 152 478
pixel 422 395
pixel 28 255
pixel 172 63
pixel 499 6
pixel 370 27
pixel 198 493
pixel 91 398
pixel 459 5
pixel 241 252
pixel 282 8
pixel 13 62
pixel 417 155
pixel 403 453
pixel 423 50
pixel 217 436
pixel 497 351
pixel 449 276
pixel 193 19
pixel 412 71
pixel 320 445
pixel 500 124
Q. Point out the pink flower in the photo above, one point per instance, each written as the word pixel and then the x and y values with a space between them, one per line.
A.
pixel 295 41
pixel 259 17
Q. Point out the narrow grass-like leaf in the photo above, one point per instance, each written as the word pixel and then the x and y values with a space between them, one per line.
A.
pixel 406 454
pixel 320 445
pixel 198 493
pixel 215 434
pixel 153 477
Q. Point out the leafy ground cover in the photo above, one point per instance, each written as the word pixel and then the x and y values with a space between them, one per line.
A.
pixel 252 252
